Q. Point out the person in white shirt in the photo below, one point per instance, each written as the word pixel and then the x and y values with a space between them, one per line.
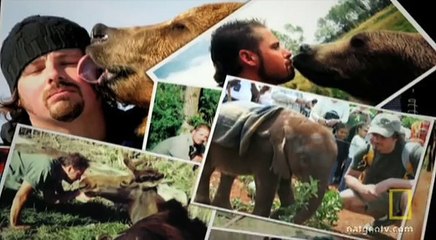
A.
pixel 289 99
pixel 265 95
pixel 238 90
pixel 358 135
pixel 329 112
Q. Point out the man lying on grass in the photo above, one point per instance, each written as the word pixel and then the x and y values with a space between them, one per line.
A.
pixel 30 173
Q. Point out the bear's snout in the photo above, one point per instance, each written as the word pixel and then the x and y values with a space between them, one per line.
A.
pixel 99 33
pixel 305 48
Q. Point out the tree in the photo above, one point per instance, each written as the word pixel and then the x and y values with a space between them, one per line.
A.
pixel 292 38
pixel 345 16
pixel 190 107
pixel 167 113
pixel 177 109
pixel 327 30
pixel 208 104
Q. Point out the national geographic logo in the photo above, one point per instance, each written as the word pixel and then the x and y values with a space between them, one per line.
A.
pixel 393 206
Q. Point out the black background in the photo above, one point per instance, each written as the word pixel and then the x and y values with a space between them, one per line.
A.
pixel 423 14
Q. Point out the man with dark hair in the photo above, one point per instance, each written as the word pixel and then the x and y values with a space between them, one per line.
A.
pixel 380 167
pixel 186 146
pixel 39 60
pixel 248 49
pixel 30 173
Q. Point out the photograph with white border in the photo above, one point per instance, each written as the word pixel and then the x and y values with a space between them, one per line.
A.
pixel 343 58
pixel 281 147
pixel 57 185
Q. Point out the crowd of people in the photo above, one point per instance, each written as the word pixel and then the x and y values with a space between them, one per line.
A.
pixel 376 152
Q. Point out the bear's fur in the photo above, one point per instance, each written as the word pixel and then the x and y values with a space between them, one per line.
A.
pixel 171 222
pixel 127 53
pixel 371 65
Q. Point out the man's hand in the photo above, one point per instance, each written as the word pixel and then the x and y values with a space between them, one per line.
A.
pixel 369 192
pixel 84 197
pixel 20 227
pixel 383 186
pixel 389 183
pixel 198 158
pixel 20 199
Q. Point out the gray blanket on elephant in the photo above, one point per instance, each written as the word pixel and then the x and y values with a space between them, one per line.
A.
pixel 238 121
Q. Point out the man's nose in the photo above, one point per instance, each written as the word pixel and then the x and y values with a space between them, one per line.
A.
pixel 287 53
pixel 53 72
pixel 375 138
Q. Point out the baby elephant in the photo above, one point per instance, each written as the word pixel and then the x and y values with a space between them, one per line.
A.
pixel 281 145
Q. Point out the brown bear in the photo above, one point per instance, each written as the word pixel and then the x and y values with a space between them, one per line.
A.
pixel 370 65
pixel 127 53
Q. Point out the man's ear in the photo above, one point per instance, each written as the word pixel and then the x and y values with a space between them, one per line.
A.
pixel 248 57
pixel 68 169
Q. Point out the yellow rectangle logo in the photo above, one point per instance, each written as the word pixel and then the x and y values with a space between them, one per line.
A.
pixel 392 206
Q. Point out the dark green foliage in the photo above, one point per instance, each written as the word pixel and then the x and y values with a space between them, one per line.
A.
pixel 208 103
pixel 167 117
pixel 167 114
pixel 325 216
pixel 407 121
pixel 336 93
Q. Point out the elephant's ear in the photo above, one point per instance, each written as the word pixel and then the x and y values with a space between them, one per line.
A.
pixel 280 164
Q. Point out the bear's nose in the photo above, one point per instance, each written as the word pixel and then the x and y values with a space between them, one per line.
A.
pixel 99 32
pixel 305 48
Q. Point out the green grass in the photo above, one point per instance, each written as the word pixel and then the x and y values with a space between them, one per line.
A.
pixel 388 19
pixel 325 217
pixel 100 217
pixel 66 221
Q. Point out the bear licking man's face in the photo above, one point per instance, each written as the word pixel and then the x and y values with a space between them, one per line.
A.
pixel 125 54
pixel 370 66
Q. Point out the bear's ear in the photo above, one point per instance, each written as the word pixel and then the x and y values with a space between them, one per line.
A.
pixel 358 41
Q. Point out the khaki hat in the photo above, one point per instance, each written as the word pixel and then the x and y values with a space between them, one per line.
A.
pixel 385 124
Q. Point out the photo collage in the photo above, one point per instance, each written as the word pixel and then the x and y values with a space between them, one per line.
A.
pixel 216 119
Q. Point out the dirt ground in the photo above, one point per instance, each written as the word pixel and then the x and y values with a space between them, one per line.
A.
pixel 238 189
pixel 347 218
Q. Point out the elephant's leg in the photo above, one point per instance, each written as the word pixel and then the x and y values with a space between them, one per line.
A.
pixel 304 214
pixel 202 195
pixel 286 195
pixel 222 196
pixel 266 188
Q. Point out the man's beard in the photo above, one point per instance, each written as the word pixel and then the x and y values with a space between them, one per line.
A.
pixel 66 111
pixel 272 79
